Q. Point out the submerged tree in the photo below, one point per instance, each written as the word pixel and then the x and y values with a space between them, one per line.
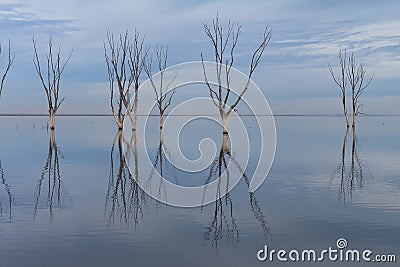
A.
pixel 358 82
pixel 341 81
pixel 352 74
pixel 138 52
pixel 10 60
pixel 161 90
pixel 124 61
pixel 118 75
pixel 51 77
pixel 224 41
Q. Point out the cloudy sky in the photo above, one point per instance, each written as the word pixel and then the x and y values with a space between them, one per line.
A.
pixel 293 74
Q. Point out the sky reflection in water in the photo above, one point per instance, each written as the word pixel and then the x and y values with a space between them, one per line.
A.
pixel 68 199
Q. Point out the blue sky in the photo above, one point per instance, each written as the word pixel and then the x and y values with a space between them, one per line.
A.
pixel 293 73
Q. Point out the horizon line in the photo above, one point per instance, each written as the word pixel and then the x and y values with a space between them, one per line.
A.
pixel 184 115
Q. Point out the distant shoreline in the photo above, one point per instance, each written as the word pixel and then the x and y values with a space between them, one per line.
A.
pixel 192 115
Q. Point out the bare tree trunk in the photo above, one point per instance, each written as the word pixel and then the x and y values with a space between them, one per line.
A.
pixel 341 81
pixel 119 75
pixel 354 119
pixel 225 122
pixel 53 139
pixel 161 121
pixel 225 143
pixel 224 41
pixel 353 101
pixel 161 91
pixel 162 136
pixel 52 118
pixel 120 123
pixel 355 73
pixel 346 115
pixel 50 77
pixel 162 129
pixel 135 105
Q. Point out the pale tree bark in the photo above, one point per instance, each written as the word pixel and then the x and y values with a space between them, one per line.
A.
pixel 352 74
pixel 341 81
pixel 10 60
pixel 120 80
pixel 355 73
pixel 124 59
pixel 224 41
pixel 138 52
pixel 51 77
pixel 163 94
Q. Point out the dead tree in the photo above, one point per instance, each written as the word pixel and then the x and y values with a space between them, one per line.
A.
pixel 125 60
pixel 116 55
pixel 355 73
pixel 224 41
pixel 51 77
pixel 161 90
pixel 138 52
pixel 341 81
pixel 352 74
pixel 10 60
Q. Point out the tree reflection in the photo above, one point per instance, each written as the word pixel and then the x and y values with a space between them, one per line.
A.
pixel 351 175
pixel 223 220
pixel 161 165
pixel 124 199
pixel 50 180
pixel 9 196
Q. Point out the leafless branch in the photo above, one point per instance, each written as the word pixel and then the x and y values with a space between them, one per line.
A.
pixel 355 73
pixel 341 81
pixel 51 81
pixel 125 62
pixel 163 94
pixel 10 61
pixel 224 40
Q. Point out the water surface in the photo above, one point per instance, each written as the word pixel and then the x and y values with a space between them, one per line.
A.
pixel 69 200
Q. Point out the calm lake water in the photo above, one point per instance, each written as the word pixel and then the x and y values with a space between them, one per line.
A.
pixel 71 202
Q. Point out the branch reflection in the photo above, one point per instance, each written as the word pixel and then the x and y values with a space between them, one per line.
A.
pixel 223 220
pixel 124 199
pixel 161 166
pixel 9 197
pixel 51 180
pixel 351 175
